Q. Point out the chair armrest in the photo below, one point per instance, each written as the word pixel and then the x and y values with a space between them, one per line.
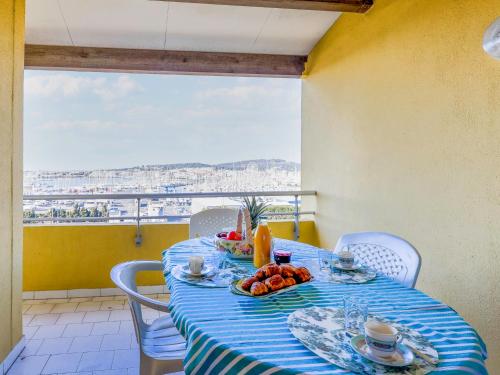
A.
pixel 149 302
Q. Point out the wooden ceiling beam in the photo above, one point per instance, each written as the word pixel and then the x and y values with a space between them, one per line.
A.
pixel 356 6
pixel 160 61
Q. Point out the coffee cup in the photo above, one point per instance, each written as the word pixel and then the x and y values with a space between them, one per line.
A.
pixel 196 263
pixel 346 258
pixel 381 338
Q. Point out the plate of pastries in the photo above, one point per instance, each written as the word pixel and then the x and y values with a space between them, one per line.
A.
pixel 272 279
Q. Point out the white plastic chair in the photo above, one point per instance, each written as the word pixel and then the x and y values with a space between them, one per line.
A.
pixel 211 221
pixel 162 348
pixel 386 253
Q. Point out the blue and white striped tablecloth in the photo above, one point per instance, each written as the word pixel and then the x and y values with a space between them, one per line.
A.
pixel 231 334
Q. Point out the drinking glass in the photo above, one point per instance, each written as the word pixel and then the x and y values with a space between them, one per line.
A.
pixel 325 261
pixel 215 261
pixel 355 313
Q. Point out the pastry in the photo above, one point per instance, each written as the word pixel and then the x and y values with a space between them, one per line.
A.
pixel 275 282
pixel 287 270
pixel 302 275
pixel 289 281
pixel 260 274
pixel 258 289
pixel 247 283
pixel 271 269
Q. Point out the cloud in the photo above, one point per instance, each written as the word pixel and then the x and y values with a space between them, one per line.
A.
pixel 68 85
pixel 86 125
pixel 120 88
pixel 241 92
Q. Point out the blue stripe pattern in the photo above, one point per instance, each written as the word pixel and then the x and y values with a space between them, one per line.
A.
pixel 232 334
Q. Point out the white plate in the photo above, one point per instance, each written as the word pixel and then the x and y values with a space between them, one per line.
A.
pixel 355 266
pixel 205 271
pixel 237 289
pixel 402 357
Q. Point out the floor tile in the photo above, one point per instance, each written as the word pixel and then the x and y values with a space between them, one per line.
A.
pixel 96 316
pixel 54 295
pixel 31 365
pixel 80 299
pixel 34 301
pixel 114 342
pixel 92 361
pixel 126 326
pixel 57 300
pixel 65 307
pixel 43 308
pixel 120 315
pixel 55 346
pixel 27 319
pixel 78 373
pixel 78 329
pixel 126 358
pixel 108 372
pixel 44 319
pixel 133 371
pixel 61 363
pixel 86 344
pixel 72 317
pixel 150 313
pixel 103 298
pixel 133 343
pixel 89 306
pixel 29 332
pixel 105 328
pixel 49 332
pixel 112 305
pixel 31 347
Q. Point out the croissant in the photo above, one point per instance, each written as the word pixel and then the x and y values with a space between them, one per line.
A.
pixel 260 274
pixel 258 288
pixel 289 281
pixel 302 275
pixel 275 282
pixel 271 269
pixel 287 270
pixel 247 283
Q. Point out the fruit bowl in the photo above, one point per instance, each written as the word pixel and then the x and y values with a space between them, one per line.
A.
pixel 239 249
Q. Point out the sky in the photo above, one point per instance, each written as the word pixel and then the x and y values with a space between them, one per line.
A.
pixel 87 120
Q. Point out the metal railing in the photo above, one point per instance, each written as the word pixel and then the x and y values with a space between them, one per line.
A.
pixel 296 213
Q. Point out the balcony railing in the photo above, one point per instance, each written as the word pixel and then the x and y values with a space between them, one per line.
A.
pixel 138 217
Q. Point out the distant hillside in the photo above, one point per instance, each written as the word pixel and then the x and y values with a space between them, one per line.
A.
pixel 260 164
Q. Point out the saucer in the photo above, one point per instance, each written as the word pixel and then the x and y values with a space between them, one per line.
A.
pixel 402 357
pixel 354 267
pixel 205 271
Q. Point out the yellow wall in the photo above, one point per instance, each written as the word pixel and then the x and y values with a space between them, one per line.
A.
pixel 80 256
pixel 11 84
pixel 401 133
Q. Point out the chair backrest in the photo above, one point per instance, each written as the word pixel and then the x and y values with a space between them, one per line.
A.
pixel 386 253
pixel 211 221
pixel 124 276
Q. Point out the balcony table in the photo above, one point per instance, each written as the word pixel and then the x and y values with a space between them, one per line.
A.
pixel 233 334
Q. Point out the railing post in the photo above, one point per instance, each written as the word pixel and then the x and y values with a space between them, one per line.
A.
pixel 296 223
pixel 138 236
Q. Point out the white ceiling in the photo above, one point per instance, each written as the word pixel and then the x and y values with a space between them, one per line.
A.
pixel 149 24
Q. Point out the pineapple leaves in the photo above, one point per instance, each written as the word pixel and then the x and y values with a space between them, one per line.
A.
pixel 257 209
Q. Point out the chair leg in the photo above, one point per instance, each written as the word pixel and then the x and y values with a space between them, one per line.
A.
pixel 151 366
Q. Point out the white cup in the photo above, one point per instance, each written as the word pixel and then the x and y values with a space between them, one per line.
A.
pixel 346 258
pixel 381 338
pixel 196 263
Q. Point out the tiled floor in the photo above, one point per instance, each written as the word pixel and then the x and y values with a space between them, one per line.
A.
pixel 84 336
